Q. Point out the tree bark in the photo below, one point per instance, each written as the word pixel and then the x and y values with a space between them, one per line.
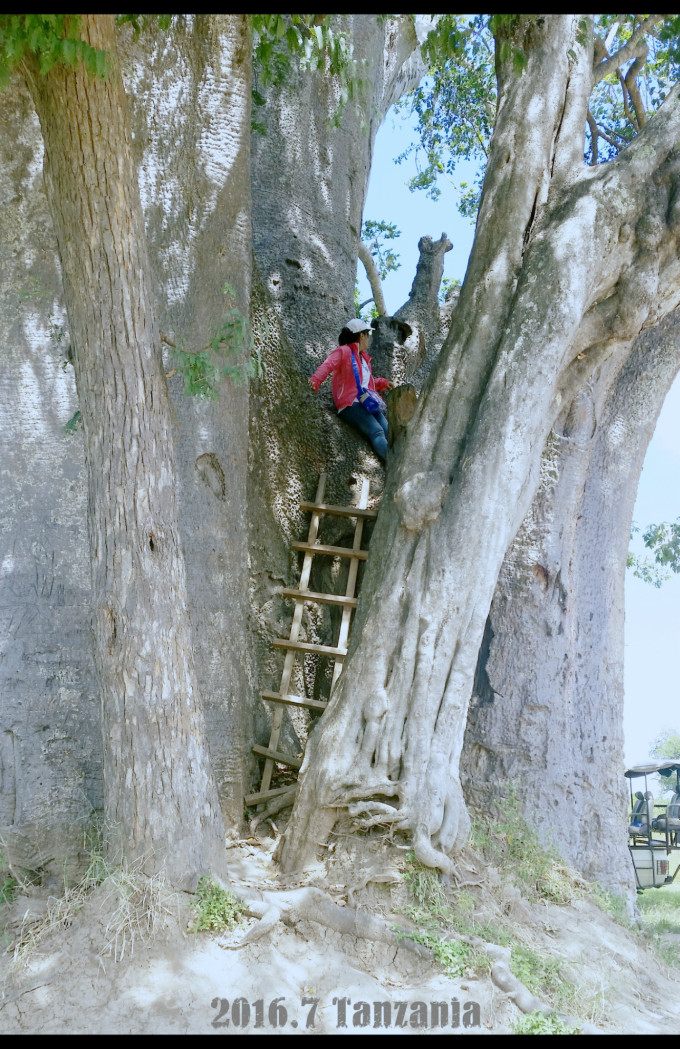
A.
pixel 547 709
pixel 305 243
pixel 190 109
pixel 556 283
pixel 161 805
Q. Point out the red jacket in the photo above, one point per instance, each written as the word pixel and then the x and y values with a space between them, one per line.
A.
pixel 343 384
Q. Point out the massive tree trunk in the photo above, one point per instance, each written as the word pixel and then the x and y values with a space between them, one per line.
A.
pixel 160 801
pixel 190 116
pixel 309 182
pixel 547 710
pixel 568 265
pixel 189 101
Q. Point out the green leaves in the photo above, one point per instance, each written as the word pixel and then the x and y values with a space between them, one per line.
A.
pixel 455 106
pixel 141 22
pixel 53 39
pixel 611 104
pixel 215 909
pixel 512 34
pixel 232 353
pixel 282 43
pixel 666 747
pixel 373 234
pixel 664 542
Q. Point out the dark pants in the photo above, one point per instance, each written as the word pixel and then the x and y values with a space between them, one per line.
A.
pixel 372 426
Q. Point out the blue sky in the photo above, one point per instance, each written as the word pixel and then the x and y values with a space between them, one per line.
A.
pixel 652 638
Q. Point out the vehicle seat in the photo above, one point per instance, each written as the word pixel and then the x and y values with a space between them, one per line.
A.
pixel 639 817
pixel 670 819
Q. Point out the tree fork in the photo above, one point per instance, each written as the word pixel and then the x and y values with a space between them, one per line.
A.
pixel 456 496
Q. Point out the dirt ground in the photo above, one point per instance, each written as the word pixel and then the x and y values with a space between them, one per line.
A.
pixel 88 975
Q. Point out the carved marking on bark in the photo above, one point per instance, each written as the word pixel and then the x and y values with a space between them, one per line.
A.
pixel 211 473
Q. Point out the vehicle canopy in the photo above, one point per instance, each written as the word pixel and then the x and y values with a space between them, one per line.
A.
pixel 664 768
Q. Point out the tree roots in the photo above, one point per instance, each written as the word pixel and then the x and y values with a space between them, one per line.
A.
pixel 312 904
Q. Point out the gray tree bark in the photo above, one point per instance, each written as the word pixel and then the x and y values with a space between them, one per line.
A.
pixel 190 127
pixel 50 749
pixel 568 265
pixel 161 805
pixel 305 238
pixel 547 709
pixel 190 116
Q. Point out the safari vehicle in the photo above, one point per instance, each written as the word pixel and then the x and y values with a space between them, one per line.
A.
pixel 654 840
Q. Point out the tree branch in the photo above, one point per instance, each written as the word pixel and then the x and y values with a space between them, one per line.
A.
pixel 633 89
pixel 624 54
pixel 594 132
pixel 626 109
pixel 373 278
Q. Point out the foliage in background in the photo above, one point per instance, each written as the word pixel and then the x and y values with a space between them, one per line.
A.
pixel 447 285
pixel 614 104
pixel 52 39
pixel 455 105
pixel 374 233
pixel 664 542
pixel 308 42
pixel 666 746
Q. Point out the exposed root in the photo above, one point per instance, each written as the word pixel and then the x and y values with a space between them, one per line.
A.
pixel 283 801
pixel 312 904
pixel 516 991
pixel 374 807
pixel 426 854
pixel 378 814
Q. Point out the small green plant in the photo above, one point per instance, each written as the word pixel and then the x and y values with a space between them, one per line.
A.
pixel 137 903
pixel 8 883
pixel 425 885
pixel 437 919
pixel 542 975
pixel 542 1023
pixel 232 353
pixel 215 908
pixel 74 423
pixel 510 844
pixel 611 904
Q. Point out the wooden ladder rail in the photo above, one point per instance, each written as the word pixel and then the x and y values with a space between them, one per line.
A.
pixel 348 603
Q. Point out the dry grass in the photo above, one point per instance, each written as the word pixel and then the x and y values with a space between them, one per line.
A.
pixel 136 905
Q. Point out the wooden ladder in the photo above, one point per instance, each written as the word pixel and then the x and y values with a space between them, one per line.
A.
pixel 293 647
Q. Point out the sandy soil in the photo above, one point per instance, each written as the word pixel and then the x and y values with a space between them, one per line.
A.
pixel 183 983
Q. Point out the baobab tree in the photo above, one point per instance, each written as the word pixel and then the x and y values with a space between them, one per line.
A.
pixel 570 263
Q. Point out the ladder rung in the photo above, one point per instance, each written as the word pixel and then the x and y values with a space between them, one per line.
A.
pixel 296 701
pixel 340 511
pixel 336 551
pixel 307 646
pixel 312 595
pixel 276 755
pixel 265 795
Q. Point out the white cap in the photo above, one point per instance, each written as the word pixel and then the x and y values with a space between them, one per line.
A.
pixel 356 325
